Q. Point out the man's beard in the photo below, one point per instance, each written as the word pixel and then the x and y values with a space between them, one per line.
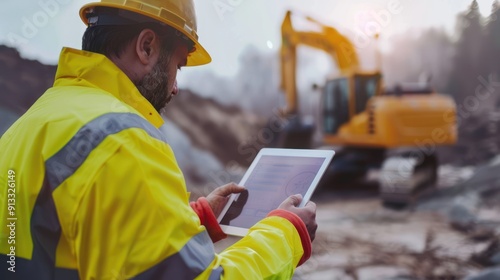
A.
pixel 154 85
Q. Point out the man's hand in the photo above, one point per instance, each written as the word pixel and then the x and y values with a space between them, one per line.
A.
pixel 307 214
pixel 219 197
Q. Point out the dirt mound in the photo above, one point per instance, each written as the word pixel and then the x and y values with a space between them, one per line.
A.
pixel 226 131
pixel 22 81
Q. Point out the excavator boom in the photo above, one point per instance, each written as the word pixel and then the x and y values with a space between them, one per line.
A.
pixel 340 49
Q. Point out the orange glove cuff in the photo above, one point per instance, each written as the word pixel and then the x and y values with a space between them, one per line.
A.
pixel 208 219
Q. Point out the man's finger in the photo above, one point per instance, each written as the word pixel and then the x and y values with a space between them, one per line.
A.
pixel 293 200
pixel 229 189
pixel 310 205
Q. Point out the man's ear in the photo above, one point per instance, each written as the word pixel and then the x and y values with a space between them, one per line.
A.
pixel 147 47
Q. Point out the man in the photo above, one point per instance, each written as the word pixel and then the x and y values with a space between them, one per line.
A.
pixel 97 191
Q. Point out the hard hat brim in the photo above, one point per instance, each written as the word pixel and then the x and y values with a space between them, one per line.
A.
pixel 198 57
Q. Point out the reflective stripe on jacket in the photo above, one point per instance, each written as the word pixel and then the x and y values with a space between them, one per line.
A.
pixel 99 194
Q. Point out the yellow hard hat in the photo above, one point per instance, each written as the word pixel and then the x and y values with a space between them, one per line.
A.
pixel 178 14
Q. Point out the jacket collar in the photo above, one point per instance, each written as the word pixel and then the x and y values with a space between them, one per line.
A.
pixel 82 68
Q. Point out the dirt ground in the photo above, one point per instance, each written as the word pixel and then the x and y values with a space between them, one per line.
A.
pixel 359 239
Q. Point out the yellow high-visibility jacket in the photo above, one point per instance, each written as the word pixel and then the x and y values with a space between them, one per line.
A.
pixel 95 192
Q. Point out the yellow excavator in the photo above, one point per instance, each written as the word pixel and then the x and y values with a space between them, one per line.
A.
pixel 371 128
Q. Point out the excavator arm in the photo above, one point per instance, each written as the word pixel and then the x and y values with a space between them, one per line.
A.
pixel 340 49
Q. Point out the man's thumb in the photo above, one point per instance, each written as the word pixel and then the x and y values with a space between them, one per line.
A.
pixel 295 200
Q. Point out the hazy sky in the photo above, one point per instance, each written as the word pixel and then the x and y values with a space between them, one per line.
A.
pixel 40 28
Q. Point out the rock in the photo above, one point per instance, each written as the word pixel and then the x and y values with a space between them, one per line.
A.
pixel 481 233
pixel 461 218
pixel 490 256
pixel 495 259
pixel 495 161
pixel 488 274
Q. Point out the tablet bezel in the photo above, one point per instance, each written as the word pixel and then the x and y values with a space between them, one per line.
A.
pixel 327 156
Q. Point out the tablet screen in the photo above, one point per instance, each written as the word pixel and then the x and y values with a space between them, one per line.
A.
pixel 273 179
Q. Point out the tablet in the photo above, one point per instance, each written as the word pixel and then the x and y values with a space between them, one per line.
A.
pixel 274 175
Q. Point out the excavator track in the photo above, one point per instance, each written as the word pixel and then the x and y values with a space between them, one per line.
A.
pixel 405 176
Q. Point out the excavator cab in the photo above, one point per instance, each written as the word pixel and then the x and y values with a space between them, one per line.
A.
pixel 345 97
pixel 335 105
